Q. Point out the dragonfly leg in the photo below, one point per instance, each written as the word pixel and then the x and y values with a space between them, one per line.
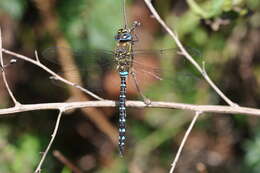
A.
pixel 135 25
pixel 136 39
pixel 145 99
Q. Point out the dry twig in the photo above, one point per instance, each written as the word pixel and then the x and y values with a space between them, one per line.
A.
pixel 16 103
pixel 183 141
pixel 38 169
pixel 135 104
pixel 56 76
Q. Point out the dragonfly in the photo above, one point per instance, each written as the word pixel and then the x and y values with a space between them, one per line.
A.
pixel 130 65
pixel 125 59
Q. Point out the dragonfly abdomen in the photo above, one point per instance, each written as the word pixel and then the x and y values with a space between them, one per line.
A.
pixel 122 112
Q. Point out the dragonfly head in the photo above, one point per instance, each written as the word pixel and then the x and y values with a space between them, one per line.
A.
pixel 123 35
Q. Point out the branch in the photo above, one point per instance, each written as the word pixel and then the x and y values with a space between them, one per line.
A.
pixel 38 169
pixel 3 72
pixel 186 54
pixel 183 141
pixel 136 104
pixel 56 76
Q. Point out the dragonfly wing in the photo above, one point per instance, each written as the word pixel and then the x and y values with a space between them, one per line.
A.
pixel 52 54
pixel 167 70
pixel 161 53
pixel 152 61
pixel 89 65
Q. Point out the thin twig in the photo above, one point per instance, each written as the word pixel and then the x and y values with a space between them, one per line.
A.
pixel 36 56
pixel 16 103
pixel 183 141
pixel 56 76
pixel 38 169
pixel 186 54
pixel 66 162
pixel 136 104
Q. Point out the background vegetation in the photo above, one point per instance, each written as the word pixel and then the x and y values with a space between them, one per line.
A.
pixel 225 33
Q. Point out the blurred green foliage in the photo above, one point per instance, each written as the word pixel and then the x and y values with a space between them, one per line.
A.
pixel 88 23
pixel 20 156
pixel 252 159
pixel 66 170
pixel 15 8
pixel 221 30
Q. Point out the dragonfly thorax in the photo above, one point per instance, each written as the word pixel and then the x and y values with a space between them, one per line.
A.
pixel 122 50
pixel 123 56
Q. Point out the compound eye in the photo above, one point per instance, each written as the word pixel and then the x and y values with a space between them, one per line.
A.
pixel 127 36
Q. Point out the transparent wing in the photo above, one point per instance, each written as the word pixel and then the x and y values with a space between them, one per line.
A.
pixel 168 75
pixel 104 57
pixel 160 74
pixel 154 62
pixel 195 53
pixel 79 66
pixel 80 57
pixel 141 57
